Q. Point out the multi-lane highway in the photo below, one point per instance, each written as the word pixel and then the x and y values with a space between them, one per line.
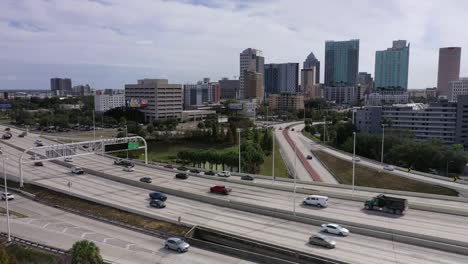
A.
pixel 356 248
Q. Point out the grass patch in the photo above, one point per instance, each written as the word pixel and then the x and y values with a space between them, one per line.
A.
pixel 18 215
pixel 368 177
pixel 310 136
pixel 90 208
pixel 280 167
pixel 33 256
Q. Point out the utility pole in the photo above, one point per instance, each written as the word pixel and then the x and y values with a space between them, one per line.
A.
pixel 239 131
pixel 354 158
pixel 383 137
pixel 6 200
pixel 273 162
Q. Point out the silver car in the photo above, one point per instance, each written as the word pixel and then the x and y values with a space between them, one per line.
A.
pixel 321 240
pixel 177 244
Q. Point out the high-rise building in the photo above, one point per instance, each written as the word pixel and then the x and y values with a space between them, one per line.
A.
pixel 284 102
pixel 391 67
pixel 365 82
pixel 281 77
pixel 81 90
pixel 229 88
pixel 60 86
pixel 344 95
pixel 254 86
pixel 105 101
pixel 156 98
pixel 341 62
pixel 251 60
pixel 309 85
pixel 201 93
pixel 310 63
pixel 449 68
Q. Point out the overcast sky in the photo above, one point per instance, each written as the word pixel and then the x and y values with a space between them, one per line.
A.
pixel 108 43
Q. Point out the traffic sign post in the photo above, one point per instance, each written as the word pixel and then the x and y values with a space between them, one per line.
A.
pixel 133 145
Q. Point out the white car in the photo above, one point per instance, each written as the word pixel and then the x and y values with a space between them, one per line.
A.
pixel 356 159
pixel 317 200
pixel 224 174
pixel 68 159
pixel 8 195
pixel 389 168
pixel 128 169
pixel 77 170
pixel 335 229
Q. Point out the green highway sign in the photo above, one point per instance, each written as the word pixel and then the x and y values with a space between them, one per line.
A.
pixel 133 145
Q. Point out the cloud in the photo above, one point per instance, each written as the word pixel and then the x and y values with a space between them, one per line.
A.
pixel 186 40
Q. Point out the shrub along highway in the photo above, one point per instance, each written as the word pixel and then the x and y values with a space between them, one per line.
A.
pixel 355 248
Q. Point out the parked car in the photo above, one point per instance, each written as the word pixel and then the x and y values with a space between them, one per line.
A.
pixel 321 240
pixel 77 170
pixel 68 159
pixel 220 189
pixel 356 159
pixel 247 178
pixel 212 173
pixel 158 196
pixel 317 200
pixel 122 162
pixel 38 163
pixel 177 244
pixel 8 196
pixel 335 229
pixel 195 171
pixel 128 168
pixel 182 175
pixel 309 157
pixel 224 174
pixel 389 168
pixel 146 179
pixel 157 204
pixel 182 168
pixel 169 166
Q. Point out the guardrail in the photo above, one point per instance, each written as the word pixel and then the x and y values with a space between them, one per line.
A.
pixel 37 245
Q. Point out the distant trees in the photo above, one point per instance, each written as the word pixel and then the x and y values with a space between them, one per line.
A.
pixel 85 252
pixel 128 113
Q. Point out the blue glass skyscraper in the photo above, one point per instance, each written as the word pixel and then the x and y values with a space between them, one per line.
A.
pixel 341 62
pixel 391 67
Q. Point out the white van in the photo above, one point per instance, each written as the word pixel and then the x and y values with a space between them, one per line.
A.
pixel 317 200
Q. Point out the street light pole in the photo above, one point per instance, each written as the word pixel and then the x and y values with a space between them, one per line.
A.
pixel 273 161
pixel 295 176
pixel 383 137
pixel 94 126
pixel 354 158
pixel 239 131
pixel 6 200
pixel 126 136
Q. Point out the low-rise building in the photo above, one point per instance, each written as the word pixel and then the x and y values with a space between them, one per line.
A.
pixel 195 115
pixel 286 102
pixel 107 99
pixel 456 88
pixel 204 92
pixel 346 95
pixel 387 98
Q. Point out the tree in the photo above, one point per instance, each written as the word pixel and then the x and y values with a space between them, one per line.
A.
pixel 214 131
pixel 201 125
pixel 13 260
pixel 3 254
pixel 85 252
pixel 150 128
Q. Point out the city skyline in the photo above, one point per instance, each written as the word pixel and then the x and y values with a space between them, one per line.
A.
pixel 107 43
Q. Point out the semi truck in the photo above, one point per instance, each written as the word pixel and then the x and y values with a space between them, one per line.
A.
pixel 387 204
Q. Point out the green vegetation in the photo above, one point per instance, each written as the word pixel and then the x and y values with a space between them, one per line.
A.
pixel 15 254
pixel 85 252
pixel 280 167
pixel 342 169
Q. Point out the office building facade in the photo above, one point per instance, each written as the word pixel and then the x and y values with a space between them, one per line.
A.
pixel 60 86
pixel 281 78
pixel 285 102
pixel 229 89
pixel 341 62
pixel 391 67
pixel 156 98
pixel 386 98
pixel 365 82
pixel 449 68
pixel 204 92
pixel 344 95
pixel 456 88
pixel 104 101
pixel 311 62
pixel 251 61
pixel 253 83
pixel 309 85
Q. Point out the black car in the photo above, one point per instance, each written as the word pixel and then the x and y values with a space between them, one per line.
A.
pixel 247 178
pixel 292 129
pixel 39 144
pixel 125 163
pixel 309 157
pixel 146 179
pixel 182 176
pixel 158 196
pixel 182 168
pixel 212 173
pixel 38 163
pixel 194 171
pixel 157 204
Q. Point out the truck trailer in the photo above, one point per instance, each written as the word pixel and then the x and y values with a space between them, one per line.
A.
pixel 387 204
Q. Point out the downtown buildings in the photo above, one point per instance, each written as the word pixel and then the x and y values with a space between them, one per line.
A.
pixel 449 68
pixel 60 86
pixel 251 85
pixel 281 78
pixel 391 67
pixel 204 92
pixel 310 77
pixel 108 99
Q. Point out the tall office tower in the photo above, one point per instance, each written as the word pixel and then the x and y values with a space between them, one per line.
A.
pixel 60 86
pixel 281 78
pixel 449 68
pixel 365 82
pixel 251 60
pixel 312 62
pixel 341 62
pixel 229 88
pixel 391 67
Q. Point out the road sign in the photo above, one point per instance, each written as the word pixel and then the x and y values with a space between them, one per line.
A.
pixel 5 106
pixel 133 145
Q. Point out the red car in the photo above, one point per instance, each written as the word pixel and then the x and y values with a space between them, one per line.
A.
pixel 220 189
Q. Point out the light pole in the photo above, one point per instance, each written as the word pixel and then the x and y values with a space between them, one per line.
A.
pixel 239 131
pixel 273 161
pixel 324 126
pixel 295 174
pixel 126 136
pixel 383 137
pixel 94 126
pixel 6 198
pixel 354 158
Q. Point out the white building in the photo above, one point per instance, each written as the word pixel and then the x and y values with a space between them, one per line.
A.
pixel 106 101
pixel 456 88
pixel 386 98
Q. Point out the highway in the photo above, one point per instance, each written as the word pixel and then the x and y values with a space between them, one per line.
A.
pixel 270 229
pixel 53 227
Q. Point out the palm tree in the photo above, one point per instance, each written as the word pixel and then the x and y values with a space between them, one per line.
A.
pixel 85 252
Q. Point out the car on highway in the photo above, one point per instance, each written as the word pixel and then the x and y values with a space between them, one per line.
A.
pixel 389 168
pixel 211 173
pixel 317 200
pixel 37 141
pixel 158 196
pixel 146 179
pixel 182 176
pixel 7 129
pixel 8 196
pixel 334 229
pixel 177 244
pixel 309 157
pixel 128 169
pixel 182 168
pixel 38 164
pixel 77 170
pixel 7 135
pixel 34 157
pixel 23 134
pixel 68 159
pixel 169 166
pixel 292 129
pixel 247 178
pixel 157 204
pixel 195 171
pixel 39 144
pixel 122 162
pixel 224 174
pixel 220 189
pixel 321 240
pixel 280 128
pixel 356 159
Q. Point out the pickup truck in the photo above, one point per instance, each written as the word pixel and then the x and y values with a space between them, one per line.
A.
pixel 387 204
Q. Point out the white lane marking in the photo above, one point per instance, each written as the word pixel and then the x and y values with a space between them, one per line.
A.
pixel 108 238
pixel 129 245
pixel 87 233
pixel 66 228
pixel 44 226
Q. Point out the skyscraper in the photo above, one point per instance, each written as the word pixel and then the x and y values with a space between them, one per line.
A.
pixel 391 67
pixel 341 62
pixel 365 82
pixel 312 62
pixel 251 60
pixel 449 68
pixel 281 77
pixel 60 86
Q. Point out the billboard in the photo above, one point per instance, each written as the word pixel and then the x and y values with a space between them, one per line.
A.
pixel 235 106
pixel 137 103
